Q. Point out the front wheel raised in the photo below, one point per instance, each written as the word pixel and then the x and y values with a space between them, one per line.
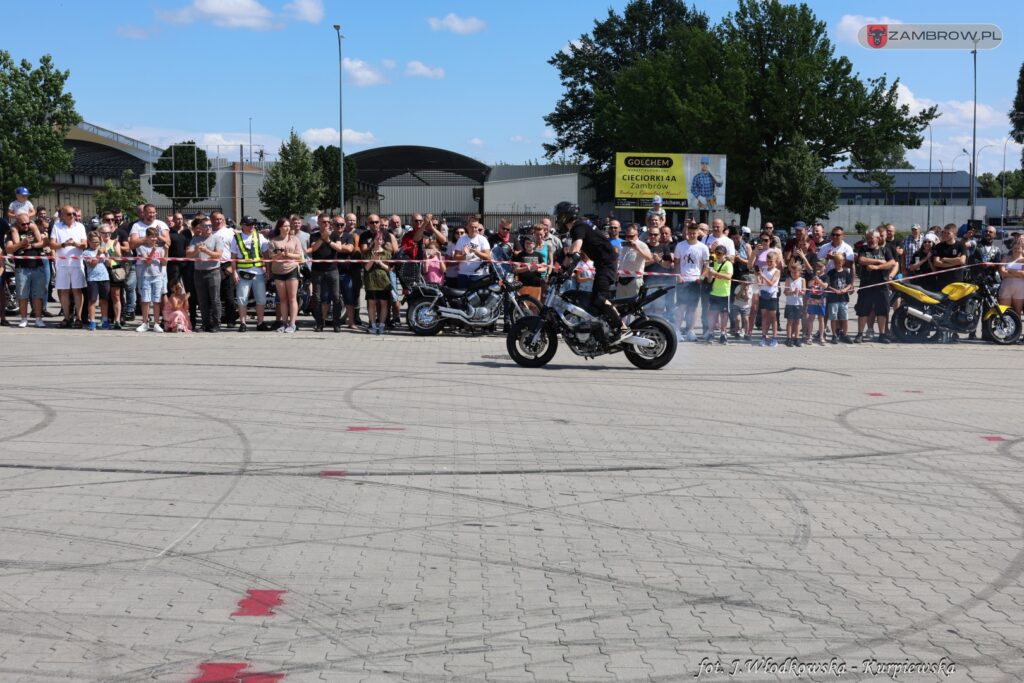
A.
pixel 656 356
pixel 1003 328
pixel 423 318
pixel 530 343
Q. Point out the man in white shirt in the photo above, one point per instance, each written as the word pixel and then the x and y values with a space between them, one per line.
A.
pixel 690 257
pixel 718 236
pixel 67 239
pixel 836 244
pixel 633 258
pixel 471 249
pixel 137 234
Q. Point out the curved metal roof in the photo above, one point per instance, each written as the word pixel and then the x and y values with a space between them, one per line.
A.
pixel 418 166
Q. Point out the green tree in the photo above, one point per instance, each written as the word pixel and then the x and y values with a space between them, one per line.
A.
pixel 1017 114
pixel 294 184
pixel 192 180
pixel 34 120
pixel 326 159
pixel 124 196
pixel 799 189
pixel 619 41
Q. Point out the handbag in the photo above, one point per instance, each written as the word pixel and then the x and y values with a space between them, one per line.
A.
pixel 118 274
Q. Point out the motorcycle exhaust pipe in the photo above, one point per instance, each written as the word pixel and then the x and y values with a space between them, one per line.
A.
pixel 921 315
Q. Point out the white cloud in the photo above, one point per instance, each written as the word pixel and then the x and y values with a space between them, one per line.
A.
pixel 518 138
pixel 850 25
pixel 476 142
pixel 311 11
pixel 388 63
pixel 954 113
pixel 361 73
pixel 224 13
pixel 549 133
pixel 571 47
pixel 456 24
pixel 418 69
pixel 135 32
pixel 329 136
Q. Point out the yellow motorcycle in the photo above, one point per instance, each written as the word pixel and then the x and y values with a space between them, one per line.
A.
pixel 925 315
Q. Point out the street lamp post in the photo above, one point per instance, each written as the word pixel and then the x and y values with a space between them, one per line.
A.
pixel 341 134
pixel 974 132
pixel 974 173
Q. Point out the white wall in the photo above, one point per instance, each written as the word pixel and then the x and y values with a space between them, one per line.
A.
pixel 531 195
pixel 900 216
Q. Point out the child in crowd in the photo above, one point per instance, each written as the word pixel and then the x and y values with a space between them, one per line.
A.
pixel 837 296
pixel 377 283
pixel 794 291
pixel 719 273
pixel 433 262
pixel 528 263
pixel 98 278
pixel 152 258
pixel 176 309
pixel 584 273
pixel 743 299
pixel 815 301
pixel 768 282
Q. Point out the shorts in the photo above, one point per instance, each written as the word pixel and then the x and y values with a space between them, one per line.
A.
pixel 395 294
pixel 687 294
pixel 99 290
pixel 70 277
pixel 718 304
pixel 837 310
pixel 767 303
pixel 816 310
pixel 31 283
pixel 349 286
pixel 151 288
pixel 794 312
pixel 874 300
pixel 258 287
pixel 378 295
pixel 1011 288
pixel 285 277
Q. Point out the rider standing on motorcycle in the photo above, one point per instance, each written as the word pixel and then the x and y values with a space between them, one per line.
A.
pixel 585 236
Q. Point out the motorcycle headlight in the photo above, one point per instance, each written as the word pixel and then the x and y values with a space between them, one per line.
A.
pixel 510 278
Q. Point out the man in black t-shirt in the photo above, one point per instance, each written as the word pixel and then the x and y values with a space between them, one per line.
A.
pixel 584 236
pixel 948 257
pixel 324 247
pixel 876 263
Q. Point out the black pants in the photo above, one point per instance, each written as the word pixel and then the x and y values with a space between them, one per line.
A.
pixel 208 286
pixel 605 278
pixel 327 288
pixel 227 297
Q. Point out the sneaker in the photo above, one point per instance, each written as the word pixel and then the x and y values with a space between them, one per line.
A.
pixel 845 338
pixel 155 327
pixel 835 340
pixel 884 339
pixel 709 337
pixel 691 337
pixel 724 340
pixel 763 342
pixel 859 338
pixel 746 338
pixel 337 328
pixel 282 329
pixel 91 326
pixel 318 327
pixel 242 327
pixel 821 340
pixel 64 324
pixel 263 327
pixel 773 343
pixel 290 329
pixel 106 325
pixel 213 329
pixel 789 342
pixel 117 325
pixel 23 323
pixel 144 327
pixel 798 342
pixel 869 335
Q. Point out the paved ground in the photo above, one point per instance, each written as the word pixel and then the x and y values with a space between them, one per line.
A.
pixel 431 512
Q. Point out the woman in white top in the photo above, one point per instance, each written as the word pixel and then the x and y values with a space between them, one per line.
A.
pixel 1011 291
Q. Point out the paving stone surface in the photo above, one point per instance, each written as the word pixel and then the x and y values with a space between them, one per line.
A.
pixel 432 512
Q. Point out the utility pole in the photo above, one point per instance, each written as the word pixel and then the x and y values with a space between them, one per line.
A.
pixel 974 130
pixel 341 129
pixel 241 181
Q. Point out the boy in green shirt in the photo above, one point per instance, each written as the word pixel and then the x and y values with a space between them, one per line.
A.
pixel 719 273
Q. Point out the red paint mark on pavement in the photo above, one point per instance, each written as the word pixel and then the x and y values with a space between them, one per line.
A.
pixel 258 603
pixel 375 429
pixel 875 393
pixel 232 672
pixel 334 473
pixel 993 438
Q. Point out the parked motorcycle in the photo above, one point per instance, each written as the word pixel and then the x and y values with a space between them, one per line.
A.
pixel 925 314
pixel 488 300
pixel 533 341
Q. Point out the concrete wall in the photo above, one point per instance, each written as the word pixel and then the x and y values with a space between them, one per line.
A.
pixel 440 200
pixel 901 216
pixel 530 195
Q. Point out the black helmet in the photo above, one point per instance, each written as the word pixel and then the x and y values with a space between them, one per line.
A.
pixel 565 213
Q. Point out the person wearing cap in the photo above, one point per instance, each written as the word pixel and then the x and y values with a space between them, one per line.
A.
pixel 718 273
pixel 911 245
pixel 530 265
pixel 703 185
pixel 656 208
pixel 21 204
pixel 920 266
pixel 248 271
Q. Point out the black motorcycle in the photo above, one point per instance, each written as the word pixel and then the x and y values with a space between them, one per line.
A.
pixel 533 341
pixel 489 299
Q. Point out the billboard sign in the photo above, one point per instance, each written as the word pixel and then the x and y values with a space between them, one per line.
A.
pixel 683 181
pixel 930 36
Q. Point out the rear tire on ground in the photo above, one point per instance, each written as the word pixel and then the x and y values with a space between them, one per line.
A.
pixel 1003 328
pixel 910 330
pixel 525 353
pixel 658 356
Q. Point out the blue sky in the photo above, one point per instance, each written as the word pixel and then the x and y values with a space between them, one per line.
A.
pixel 468 76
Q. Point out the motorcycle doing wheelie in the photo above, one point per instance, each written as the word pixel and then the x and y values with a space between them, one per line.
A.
pixel 487 300
pixel 925 314
pixel 533 341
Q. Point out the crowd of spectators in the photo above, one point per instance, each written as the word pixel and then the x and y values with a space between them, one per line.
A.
pixel 206 274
